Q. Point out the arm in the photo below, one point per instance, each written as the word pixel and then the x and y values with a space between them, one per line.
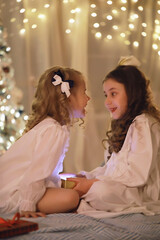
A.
pixel 133 164
pixel 82 184
pixel 49 148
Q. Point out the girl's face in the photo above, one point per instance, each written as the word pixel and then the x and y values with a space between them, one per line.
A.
pixel 116 98
pixel 78 101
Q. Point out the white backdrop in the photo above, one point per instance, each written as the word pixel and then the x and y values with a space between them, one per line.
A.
pixel 49 44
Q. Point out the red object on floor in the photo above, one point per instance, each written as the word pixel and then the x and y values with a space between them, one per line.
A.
pixel 15 226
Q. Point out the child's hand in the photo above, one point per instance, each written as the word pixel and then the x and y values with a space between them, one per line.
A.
pixel 29 214
pixel 82 184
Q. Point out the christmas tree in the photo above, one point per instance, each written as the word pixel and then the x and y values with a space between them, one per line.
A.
pixel 12 115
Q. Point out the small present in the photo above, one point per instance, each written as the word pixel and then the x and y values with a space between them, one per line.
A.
pixel 67 184
pixel 15 226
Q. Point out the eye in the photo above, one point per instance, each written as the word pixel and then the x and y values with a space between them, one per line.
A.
pixel 113 94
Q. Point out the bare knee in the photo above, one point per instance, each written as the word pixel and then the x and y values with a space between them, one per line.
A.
pixel 72 197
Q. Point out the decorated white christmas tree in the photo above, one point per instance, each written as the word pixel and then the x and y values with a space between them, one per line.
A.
pixel 12 116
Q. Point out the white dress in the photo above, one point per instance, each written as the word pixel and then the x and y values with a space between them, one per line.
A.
pixel 31 165
pixel 130 180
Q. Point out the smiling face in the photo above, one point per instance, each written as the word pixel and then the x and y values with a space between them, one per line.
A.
pixel 116 98
pixel 78 100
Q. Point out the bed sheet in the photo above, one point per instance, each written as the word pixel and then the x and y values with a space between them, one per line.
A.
pixel 71 226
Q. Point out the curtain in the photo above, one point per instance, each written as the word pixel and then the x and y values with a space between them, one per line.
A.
pixel 50 44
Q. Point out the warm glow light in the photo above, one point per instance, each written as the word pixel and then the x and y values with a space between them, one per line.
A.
pixel 155 46
pixel 127 42
pixel 109 2
pixel 33 10
pixel 25 117
pixel 135 44
pixel 131 26
pixel 46 5
pixel 34 26
pixel 25 20
pixel 96 25
pixel 22 10
pixel 123 9
pixel 94 14
pixel 115 27
pixel 71 20
pixel 144 34
pixel 124 1
pixel 109 37
pixel 114 11
pixel 159 53
pixel 93 5
pixel 98 35
pixel 144 24
pixel 12 20
pixel 109 17
pixel 140 8
pixel 122 35
pixel 68 31
pixel 41 16
pixel 18 0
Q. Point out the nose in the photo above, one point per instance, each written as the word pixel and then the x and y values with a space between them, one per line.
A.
pixel 88 98
pixel 107 101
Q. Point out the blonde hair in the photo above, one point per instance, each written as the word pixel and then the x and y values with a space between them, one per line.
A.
pixel 50 101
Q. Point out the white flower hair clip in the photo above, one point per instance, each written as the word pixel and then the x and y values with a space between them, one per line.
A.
pixel 129 60
pixel 65 84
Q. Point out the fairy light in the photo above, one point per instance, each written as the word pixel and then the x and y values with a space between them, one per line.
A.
pixel 135 1
pixel 8 49
pixel 22 10
pixel 109 17
pixel 71 20
pixel 144 34
pixel 41 16
pixel 25 117
pixel 115 27
pixel 122 35
pixel 140 8
pixel 33 10
pixel 96 25
pixel 93 5
pixel 159 53
pixel 114 11
pixel 18 1
pixel 144 24
pixel 98 35
pixel 22 31
pixel 65 1
pixel 124 1
pixel 155 46
pixel 12 139
pixel 158 11
pixel 46 5
pixel 135 43
pixel 157 21
pixel 68 31
pixel 131 26
pixel 12 111
pixel 12 20
pixel 109 2
pixel 109 37
pixel 25 20
pixel 123 9
pixel 34 26
pixel 77 10
pixel 94 14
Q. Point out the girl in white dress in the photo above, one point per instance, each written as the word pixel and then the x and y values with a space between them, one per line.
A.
pixel 29 172
pixel 130 179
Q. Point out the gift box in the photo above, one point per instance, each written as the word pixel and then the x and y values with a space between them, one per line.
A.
pixel 67 184
pixel 9 228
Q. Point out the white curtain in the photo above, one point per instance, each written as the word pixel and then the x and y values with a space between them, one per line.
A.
pixel 49 45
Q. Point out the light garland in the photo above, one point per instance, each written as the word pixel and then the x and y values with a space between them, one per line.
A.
pixel 106 17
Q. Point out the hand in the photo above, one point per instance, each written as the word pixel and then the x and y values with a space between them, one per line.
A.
pixel 29 214
pixel 82 184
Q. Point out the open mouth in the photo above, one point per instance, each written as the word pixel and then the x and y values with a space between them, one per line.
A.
pixel 113 110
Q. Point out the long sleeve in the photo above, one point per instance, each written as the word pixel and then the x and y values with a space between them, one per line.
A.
pixel 133 164
pixel 47 160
